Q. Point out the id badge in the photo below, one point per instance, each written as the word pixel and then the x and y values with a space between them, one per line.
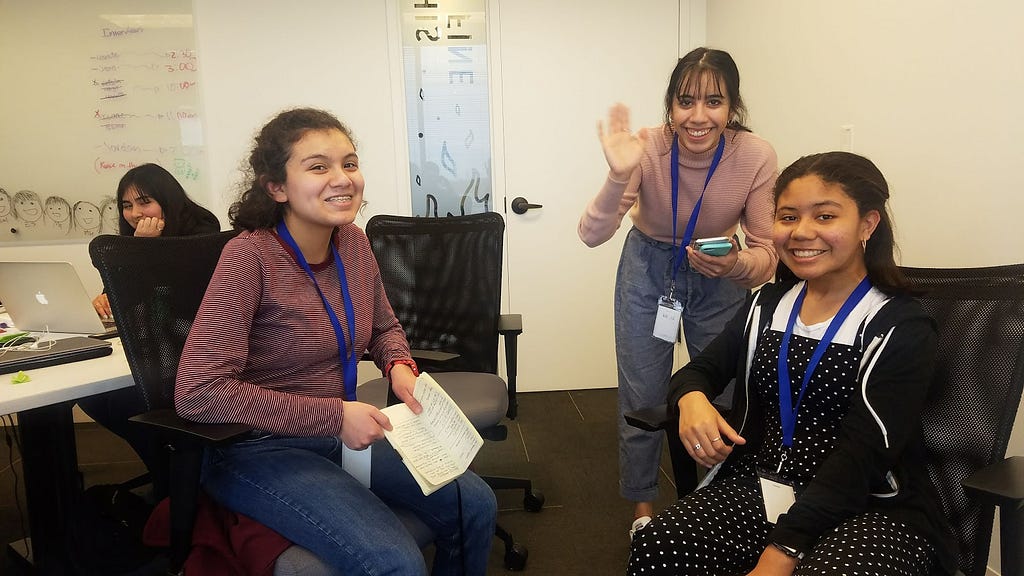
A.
pixel 357 463
pixel 777 495
pixel 666 323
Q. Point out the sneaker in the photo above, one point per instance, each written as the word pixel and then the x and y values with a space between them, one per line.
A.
pixel 638 525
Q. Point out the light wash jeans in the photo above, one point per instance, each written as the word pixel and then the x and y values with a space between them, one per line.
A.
pixel 296 486
pixel 645 362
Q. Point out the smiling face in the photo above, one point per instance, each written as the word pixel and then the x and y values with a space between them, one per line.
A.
pixel 87 215
pixel 28 206
pixel 818 231
pixel 323 188
pixel 700 112
pixel 136 205
pixel 5 203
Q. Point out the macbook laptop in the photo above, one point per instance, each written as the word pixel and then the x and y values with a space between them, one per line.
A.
pixel 44 353
pixel 49 296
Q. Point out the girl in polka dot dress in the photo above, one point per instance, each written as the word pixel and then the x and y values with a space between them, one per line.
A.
pixel 830 479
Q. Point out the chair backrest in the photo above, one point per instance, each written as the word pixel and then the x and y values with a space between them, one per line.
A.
pixel 977 387
pixel 443 279
pixel 155 287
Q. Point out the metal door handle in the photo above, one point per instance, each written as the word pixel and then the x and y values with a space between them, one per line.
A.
pixel 520 205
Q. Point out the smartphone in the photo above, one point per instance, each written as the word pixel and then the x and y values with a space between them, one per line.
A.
pixel 717 246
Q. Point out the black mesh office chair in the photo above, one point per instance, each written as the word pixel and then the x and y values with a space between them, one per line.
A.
pixel 975 396
pixel 443 279
pixel 970 413
pixel 155 287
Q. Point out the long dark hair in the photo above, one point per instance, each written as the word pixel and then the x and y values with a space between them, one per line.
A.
pixel 182 216
pixel 272 148
pixel 701 63
pixel 864 183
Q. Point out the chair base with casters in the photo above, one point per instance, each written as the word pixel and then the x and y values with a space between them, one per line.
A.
pixel 474 394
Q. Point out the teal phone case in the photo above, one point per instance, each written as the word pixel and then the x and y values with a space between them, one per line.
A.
pixel 716 248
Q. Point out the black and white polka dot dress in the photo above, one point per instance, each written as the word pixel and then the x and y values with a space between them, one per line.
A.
pixel 721 529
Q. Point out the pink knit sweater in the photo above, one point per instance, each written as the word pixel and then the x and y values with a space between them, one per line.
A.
pixel 740 192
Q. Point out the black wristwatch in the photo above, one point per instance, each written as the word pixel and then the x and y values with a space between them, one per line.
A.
pixel 791 552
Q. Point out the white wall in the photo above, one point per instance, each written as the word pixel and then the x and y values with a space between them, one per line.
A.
pixel 932 88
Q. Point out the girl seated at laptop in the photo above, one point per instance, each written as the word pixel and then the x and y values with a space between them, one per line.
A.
pixel 153 203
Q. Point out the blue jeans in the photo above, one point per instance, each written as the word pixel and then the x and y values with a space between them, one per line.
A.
pixel 296 486
pixel 644 361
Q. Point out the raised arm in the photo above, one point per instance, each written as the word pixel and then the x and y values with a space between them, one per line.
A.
pixel 622 150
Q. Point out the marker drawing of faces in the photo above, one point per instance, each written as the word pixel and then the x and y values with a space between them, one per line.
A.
pixel 87 217
pixel 28 208
pixel 58 211
pixel 109 215
pixel 5 205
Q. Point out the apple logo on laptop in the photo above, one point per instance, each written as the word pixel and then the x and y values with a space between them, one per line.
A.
pixel 42 298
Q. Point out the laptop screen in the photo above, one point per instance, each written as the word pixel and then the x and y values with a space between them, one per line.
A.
pixel 47 296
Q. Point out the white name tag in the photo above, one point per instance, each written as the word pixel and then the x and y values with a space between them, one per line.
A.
pixel 777 498
pixel 357 463
pixel 666 323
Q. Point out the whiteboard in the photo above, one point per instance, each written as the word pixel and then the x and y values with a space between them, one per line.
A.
pixel 91 89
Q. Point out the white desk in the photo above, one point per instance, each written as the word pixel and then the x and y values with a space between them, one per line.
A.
pixel 48 452
pixel 64 382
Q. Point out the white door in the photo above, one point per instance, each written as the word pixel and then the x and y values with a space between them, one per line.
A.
pixel 556 69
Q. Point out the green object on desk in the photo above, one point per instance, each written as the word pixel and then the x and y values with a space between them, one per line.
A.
pixel 20 377
pixel 8 336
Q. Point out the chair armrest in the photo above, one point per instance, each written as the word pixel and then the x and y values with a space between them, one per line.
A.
pixel 1001 483
pixel 418 354
pixel 168 422
pixel 510 324
pixel 654 419
pixel 432 355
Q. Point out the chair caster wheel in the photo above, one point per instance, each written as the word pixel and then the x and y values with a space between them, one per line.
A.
pixel 533 501
pixel 515 557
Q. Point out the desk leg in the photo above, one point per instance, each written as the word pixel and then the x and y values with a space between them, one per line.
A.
pixel 52 482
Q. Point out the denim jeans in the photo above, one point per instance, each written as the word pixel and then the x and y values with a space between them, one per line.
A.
pixel 644 361
pixel 296 486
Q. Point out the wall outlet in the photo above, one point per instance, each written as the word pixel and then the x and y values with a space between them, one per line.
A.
pixel 846 137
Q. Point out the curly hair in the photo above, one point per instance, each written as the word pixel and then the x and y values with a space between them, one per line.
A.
pixel 272 147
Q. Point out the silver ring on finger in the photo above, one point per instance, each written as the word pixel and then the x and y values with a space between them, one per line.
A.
pixel 696 446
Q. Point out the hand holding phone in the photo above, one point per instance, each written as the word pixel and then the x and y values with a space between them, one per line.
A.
pixel 717 246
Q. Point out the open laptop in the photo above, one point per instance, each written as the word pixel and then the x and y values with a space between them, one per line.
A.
pixel 49 297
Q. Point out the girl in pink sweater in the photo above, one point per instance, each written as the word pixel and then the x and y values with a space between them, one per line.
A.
pixel 701 174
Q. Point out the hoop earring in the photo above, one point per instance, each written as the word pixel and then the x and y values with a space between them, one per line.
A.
pixel 864 245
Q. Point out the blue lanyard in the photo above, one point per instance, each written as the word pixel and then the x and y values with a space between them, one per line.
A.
pixel 349 360
pixel 688 235
pixel 787 411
